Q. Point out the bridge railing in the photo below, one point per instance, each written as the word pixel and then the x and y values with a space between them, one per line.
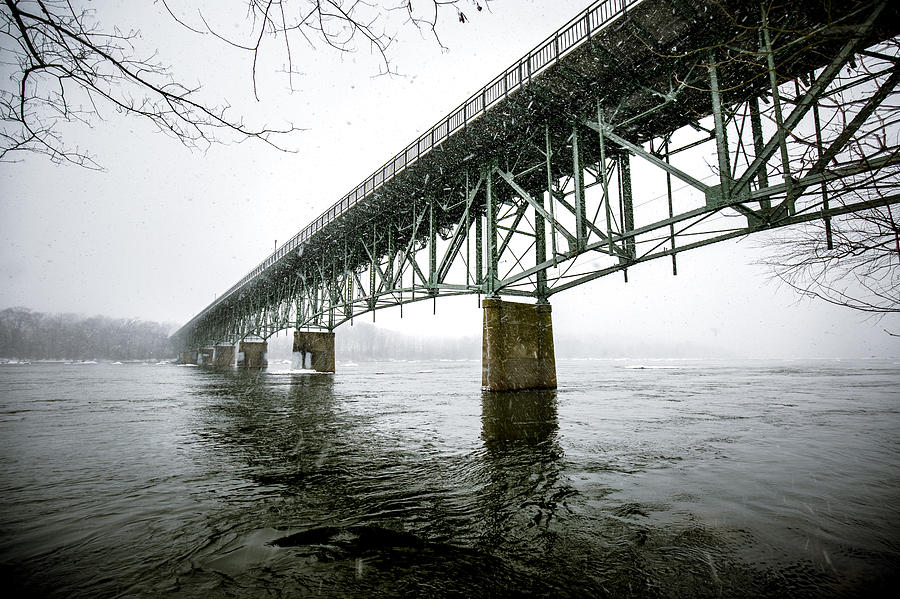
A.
pixel 550 51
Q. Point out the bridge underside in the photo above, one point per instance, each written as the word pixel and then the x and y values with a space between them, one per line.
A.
pixel 677 125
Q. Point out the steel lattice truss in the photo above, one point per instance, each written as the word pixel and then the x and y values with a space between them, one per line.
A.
pixel 673 126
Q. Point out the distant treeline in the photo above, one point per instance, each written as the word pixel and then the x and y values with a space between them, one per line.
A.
pixel 37 336
pixel 363 342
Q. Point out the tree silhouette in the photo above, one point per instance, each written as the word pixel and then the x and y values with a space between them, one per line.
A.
pixel 35 335
pixel 65 65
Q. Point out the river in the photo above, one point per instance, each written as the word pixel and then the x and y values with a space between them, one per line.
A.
pixel 634 479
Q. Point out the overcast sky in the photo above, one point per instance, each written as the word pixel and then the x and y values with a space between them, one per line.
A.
pixel 162 230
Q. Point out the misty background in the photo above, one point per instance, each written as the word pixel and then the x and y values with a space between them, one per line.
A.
pixel 35 336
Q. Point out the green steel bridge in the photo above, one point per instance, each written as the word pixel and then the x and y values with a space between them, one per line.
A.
pixel 639 130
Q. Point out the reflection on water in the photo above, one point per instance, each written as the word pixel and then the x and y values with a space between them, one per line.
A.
pixel 406 480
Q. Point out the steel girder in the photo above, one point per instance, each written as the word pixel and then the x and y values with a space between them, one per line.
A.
pixel 704 129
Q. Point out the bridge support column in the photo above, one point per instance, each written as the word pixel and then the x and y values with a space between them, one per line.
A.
pixel 314 350
pixel 223 356
pixel 517 346
pixel 252 354
pixel 519 416
pixel 205 356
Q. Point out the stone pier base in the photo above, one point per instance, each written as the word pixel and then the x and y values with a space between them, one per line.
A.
pixel 314 350
pixel 252 354
pixel 189 357
pixel 517 346
pixel 519 416
pixel 205 356
pixel 223 356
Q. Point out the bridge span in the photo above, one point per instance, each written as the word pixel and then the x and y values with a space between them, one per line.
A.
pixel 638 131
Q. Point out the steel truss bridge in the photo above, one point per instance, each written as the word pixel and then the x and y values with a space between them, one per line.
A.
pixel 640 130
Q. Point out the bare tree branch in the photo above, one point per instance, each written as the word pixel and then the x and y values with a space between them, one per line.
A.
pixel 65 68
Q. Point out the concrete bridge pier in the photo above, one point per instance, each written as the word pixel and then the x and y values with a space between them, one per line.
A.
pixel 205 356
pixel 313 350
pixel 517 346
pixel 528 416
pixel 252 354
pixel 223 355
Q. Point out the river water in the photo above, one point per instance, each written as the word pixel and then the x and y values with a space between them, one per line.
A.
pixel 643 479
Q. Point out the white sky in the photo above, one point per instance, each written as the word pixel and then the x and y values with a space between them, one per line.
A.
pixel 163 230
